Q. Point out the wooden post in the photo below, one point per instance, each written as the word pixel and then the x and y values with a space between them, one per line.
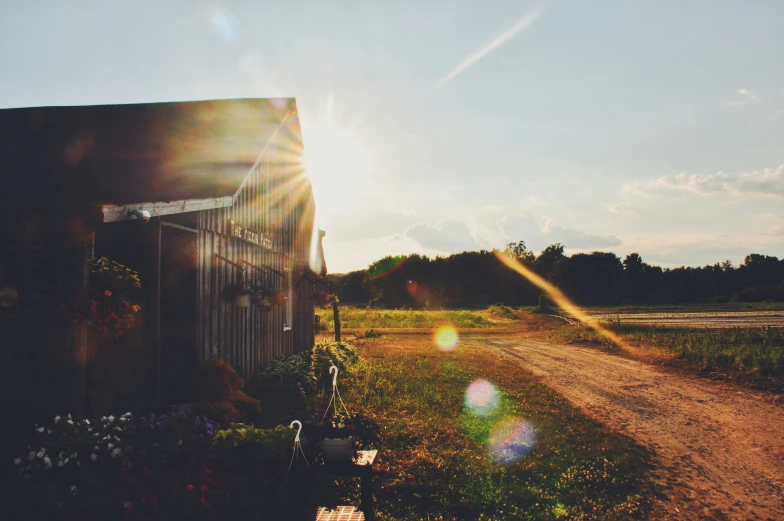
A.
pixel 336 314
pixel 156 312
pixel 80 333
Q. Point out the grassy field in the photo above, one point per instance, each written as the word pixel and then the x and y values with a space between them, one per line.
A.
pixel 744 352
pixel 362 318
pixel 435 458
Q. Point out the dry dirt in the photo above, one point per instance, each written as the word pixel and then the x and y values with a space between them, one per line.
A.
pixel 718 449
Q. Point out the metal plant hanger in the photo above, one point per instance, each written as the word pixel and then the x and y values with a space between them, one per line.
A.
pixel 335 393
pixel 297 446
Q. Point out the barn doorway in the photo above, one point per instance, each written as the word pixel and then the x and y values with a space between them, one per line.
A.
pixel 179 278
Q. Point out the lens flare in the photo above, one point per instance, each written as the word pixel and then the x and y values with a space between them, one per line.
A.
pixel 226 26
pixel 482 398
pixel 446 338
pixel 385 266
pixel 557 296
pixel 510 440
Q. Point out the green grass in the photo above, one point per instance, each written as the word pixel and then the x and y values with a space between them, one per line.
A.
pixel 434 459
pixel 750 351
pixel 352 317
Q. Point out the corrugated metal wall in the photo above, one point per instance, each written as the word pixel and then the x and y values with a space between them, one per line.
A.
pixel 276 199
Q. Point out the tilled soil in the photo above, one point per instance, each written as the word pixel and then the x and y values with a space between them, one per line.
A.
pixel 719 449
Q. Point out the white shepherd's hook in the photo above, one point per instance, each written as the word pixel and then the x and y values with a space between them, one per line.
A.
pixel 335 392
pixel 297 444
pixel 335 376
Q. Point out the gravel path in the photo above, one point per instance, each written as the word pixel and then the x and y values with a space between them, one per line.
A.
pixel 719 449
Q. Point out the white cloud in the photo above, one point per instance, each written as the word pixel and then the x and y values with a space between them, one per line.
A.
pixel 623 209
pixel 446 236
pixel 524 227
pixel 748 98
pixel 766 182
pixel 471 59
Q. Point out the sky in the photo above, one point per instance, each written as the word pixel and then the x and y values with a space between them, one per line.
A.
pixel 435 127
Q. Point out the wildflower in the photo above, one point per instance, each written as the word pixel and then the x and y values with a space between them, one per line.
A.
pixel 47 463
pixel 40 430
pixel 93 457
pixel 74 490
pixel 41 453
pixel 103 418
pixel 96 448
pixel 70 422
pixel 18 461
pixel 86 422
pixel 57 419
pixel 63 463
pixel 111 419
pixel 73 455
pixel 204 502
pixel 116 452
pixel 127 505
pixel 110 446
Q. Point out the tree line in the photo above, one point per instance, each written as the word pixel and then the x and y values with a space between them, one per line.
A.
pixel 478 279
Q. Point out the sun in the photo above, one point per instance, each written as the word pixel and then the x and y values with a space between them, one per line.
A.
pixel 337 159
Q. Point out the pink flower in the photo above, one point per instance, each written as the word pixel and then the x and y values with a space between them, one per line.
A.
pixel 189 488
pixel 107 293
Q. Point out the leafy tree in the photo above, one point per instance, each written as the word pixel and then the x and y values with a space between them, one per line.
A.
pixel 519 252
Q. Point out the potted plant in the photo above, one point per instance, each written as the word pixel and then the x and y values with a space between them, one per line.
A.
pixel 278 298
pixel 260 294
pixel 238 293
pixel 337 438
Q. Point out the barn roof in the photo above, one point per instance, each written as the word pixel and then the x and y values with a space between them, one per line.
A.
pixel 119 154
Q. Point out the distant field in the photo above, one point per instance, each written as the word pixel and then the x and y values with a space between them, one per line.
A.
pixel 695 319
pixel 360 318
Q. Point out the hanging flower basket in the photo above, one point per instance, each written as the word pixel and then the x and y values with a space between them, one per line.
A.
pixel 324 299
pixel 106 306
pixel 338 450
pixel 238 294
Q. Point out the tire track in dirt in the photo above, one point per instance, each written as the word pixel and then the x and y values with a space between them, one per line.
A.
pixel 719 450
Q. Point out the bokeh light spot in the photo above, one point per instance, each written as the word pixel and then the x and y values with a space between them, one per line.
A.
pixel 482 398
pixel 226 26
pixel 446 338
pixel 510 440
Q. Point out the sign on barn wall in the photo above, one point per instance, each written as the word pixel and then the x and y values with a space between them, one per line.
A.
pixel 246 234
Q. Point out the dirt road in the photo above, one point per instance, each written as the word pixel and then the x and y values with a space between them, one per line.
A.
pixel 719 449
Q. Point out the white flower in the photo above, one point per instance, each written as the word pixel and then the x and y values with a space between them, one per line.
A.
pixel 57 419
pixel 18 461
pixel 179 443
pixel 60 456
pixel 103 418
pixel 89 429
pixel 47 462
pixel 97 434
pixel 110 446
pixel 70 422
pixel 63 462
pixel 93 457
pixel 40 430
pixel 74 455
pixel 41 453
pixel 127 504
pixel 31 456
pixel 86 422
pixel 69 417
pixel 74 490
pixel 111 419
pixel 97 448
pixel 116 452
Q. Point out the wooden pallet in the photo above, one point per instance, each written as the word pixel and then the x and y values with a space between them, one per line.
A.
pixel 340 514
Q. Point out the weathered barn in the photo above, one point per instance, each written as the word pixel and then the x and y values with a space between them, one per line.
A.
pixel 226 193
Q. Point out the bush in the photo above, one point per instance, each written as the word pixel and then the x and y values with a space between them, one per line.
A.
pixel 501 311
pixel 217 380
pixel 220 390
pixel 326 354
pixel 759 295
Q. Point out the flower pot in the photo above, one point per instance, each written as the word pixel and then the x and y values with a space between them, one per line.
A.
pixel 338 450
pixel 242 301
